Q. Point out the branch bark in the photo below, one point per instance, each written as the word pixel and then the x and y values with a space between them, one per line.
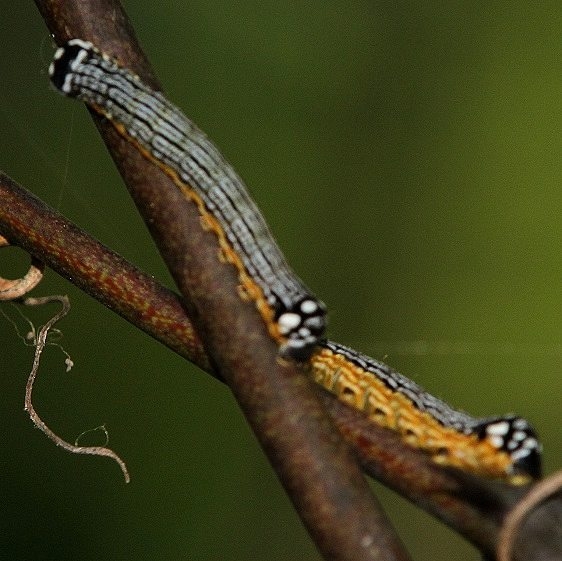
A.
pixel 473 507
pixel 313 463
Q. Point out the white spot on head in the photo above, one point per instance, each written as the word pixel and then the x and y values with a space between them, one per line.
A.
pixel 304 332
pixel 309 307
pixel 292 348
pixel 288 322
pixel 498 429
pixel 58 53
pixel 496 441
pixel 315 322
pixel 66 86
pixel 520 424
pixel 78 59
pixel 531 443
pixel 519 435
pixel 80 43
pixel 519 454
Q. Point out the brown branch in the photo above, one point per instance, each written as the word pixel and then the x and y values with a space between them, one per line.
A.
pixel 101 273
pixel 530 519
pixel 473 507
pixel 311 460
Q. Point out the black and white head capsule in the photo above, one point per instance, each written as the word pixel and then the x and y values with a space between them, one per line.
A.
pixel 165 136
pixel 516 437
pixel 64 63
pixel 303 325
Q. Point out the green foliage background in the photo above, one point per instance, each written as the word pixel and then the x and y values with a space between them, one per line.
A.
pixel 407 157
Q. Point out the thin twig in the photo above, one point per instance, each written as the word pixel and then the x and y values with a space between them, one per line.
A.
pixel 512 524
pixel 40 343
pixel 12 289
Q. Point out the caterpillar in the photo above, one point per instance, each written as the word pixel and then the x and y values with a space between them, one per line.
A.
pixel 505 447
pixel 294 317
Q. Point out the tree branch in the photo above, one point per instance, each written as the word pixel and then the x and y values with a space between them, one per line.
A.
pixel 473 507
pixel 311 460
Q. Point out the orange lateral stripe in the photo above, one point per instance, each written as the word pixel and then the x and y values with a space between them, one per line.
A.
pixel 394 410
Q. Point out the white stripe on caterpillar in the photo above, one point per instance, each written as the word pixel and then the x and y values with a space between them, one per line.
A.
pixel 294 317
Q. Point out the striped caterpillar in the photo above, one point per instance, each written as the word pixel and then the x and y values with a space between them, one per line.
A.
pixel 500 447
pixel 497 447
pixel 164 135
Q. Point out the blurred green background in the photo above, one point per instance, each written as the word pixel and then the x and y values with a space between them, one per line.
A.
pixel 407 158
